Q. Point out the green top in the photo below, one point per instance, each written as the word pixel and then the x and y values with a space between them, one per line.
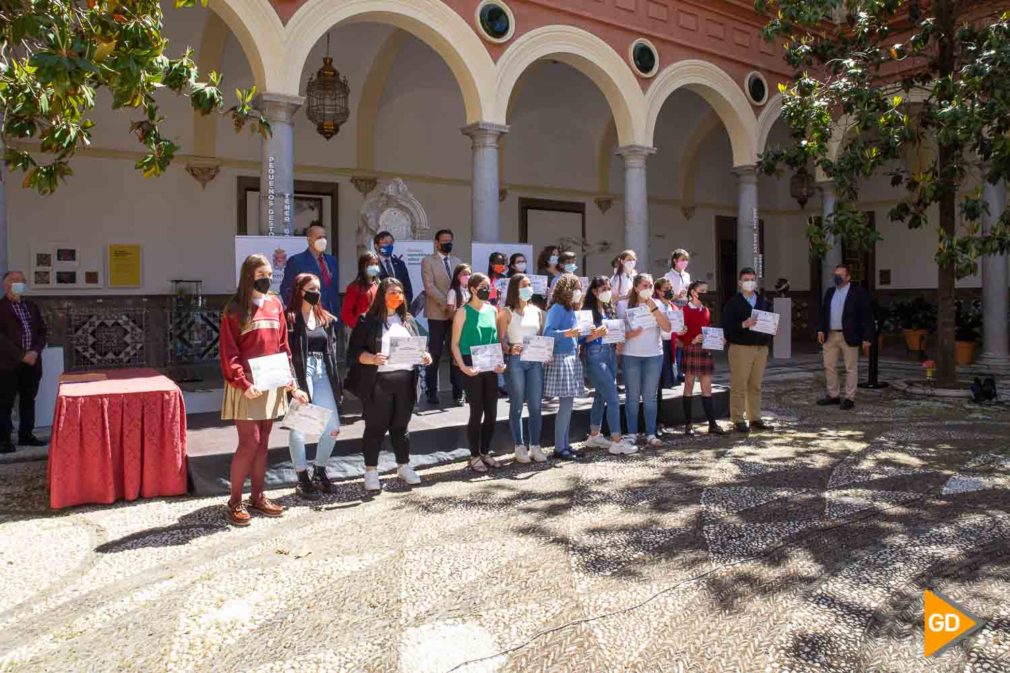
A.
pixel 480 328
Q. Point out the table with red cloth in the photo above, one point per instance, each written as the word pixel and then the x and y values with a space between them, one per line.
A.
pixel 122 437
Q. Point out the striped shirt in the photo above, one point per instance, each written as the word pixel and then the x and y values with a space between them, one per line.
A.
pixel 21 311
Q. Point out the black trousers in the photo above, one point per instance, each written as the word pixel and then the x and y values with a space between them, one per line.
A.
pixel 389 410
pixel 22 383
pixel 482 396
pixel 439 342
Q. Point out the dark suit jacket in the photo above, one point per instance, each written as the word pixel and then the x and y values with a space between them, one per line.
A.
pixel 857 315
pixel 401 273
pixel 11 352
pixel 735 312
pixel 305 262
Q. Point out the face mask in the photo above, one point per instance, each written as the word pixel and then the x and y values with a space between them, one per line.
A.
pixel 19 288
pixel 387 250
pixel 668 294
pixel 576 296
pixel 605 296
pixel 320 244
pixel 526 293
pixel 262 285
pixel 372 270
pixel 463 280
pixel 681 265
pixel 629 266
pixel 393 301
pixel 839 280
pixel 749 285
pixel 520 267
pixel 553 260
pixel 499 268
pixel 645 293
pixel 446 247
pixel 570 268
pixel 484 293
pixel 312 297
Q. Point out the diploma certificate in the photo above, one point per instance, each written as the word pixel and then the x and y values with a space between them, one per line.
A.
pixel 537 349
pixel 713 338
pixel 767 322
pixel 539 285
pixel 407 350
pixel 487 358
pixel 270 371
pixel 585 321
pixel 308 419
pixel 641 316
pixel 615 332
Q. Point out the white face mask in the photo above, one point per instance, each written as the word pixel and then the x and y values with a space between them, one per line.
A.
pixel 320 244
pixel 629 265
pixel 576 296
pixel 749 285
pixel 520 267
pixel 645 293
pixel 605 296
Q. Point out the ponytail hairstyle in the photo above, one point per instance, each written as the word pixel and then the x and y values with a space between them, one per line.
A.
pixel 241 303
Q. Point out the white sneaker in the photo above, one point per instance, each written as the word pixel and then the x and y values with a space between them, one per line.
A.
pixel 622 447
pixel 598 441
pixel 538 454
pixel 630 440
pixel 372 482
pixel 653 440
pixel 407 475
pixel 522 455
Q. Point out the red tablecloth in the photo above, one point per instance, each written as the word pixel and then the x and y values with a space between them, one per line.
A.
pixel 124 437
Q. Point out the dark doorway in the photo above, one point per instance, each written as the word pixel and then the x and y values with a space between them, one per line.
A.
pixel 543 222
pixel 725 251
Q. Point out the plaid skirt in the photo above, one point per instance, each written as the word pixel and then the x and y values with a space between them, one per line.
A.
pixel 565 377
pixel 698 361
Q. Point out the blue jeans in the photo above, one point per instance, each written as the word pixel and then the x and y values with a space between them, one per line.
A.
pixel 641 378
pixel 562 422
pixel 321 395
pixel 525 385
pixel 601 364
pixel 667 378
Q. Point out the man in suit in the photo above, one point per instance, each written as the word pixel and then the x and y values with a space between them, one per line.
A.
pixel 748 352
pixel 436 274
pixel 846 323
pixel 392 267
pixel 314 260
pixel 22 338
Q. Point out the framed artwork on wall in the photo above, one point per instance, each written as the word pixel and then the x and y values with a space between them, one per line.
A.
pixel 60 266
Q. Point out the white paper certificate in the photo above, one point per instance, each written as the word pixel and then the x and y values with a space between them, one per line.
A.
pixel 767 322
pixel 308 419
pixel 406 350
pixel 270 371
pixel 641 316
pixel 584 282
pixel 615 332
pixel 584 320
pixel 539 285
pixel 487 358
pixel 537 349
pixel 713 338
pixel 502 286
pixel 676 320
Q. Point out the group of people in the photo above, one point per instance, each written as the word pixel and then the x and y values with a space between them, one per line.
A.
pixel 467 310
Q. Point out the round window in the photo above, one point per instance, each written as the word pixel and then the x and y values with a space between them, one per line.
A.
pixel 644 57
pixel 495 20
pixel 757 88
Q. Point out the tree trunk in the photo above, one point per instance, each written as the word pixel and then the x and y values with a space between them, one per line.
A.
pixel 946 369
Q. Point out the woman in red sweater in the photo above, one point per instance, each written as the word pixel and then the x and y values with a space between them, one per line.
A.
pixel 360 293
pixel 252 326
pixel 698 362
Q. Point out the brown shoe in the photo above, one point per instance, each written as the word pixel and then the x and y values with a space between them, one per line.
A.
pixel 267 507
pixel 237 515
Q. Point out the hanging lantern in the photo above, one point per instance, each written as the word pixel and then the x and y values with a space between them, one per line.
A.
pixel 801 186
pixel 327 93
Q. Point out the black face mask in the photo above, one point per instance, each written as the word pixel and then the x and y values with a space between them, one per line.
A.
pixel 446 247
pixel 484 293
pixel 312 297
pixel 262 285
pixel 668 294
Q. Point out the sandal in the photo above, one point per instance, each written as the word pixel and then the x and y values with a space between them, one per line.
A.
pixel 267 507
pixel 490 462
pixel 237 515
pixel 477 465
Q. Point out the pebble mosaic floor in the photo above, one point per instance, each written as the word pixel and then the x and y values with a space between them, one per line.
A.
pixel 801 551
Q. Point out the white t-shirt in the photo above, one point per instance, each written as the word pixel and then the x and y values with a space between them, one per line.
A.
pixel 668 312
pixel 450 298
pixel 395 328
pixel 680 281
pixel 519 326
pixel 647 344
pixel 622 283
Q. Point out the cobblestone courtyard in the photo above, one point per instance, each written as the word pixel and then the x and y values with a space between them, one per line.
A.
pixel 803 550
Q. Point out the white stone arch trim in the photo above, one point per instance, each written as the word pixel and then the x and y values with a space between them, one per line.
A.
pixel 259 31
pixel 766 120
pixel 431 21
pixel 586 53
pixel 720 91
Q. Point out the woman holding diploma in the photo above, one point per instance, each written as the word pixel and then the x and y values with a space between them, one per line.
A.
pixel 564 372
pixel 642 355
pixel 476 324
pixel 253 326
pixel 312 335
pixel 520 319
pixel 663 294
pixel 698 363
pixel 601 362
pixel 386 390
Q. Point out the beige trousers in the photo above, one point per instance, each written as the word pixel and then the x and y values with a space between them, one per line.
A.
pixel 746 371
pixel 834 346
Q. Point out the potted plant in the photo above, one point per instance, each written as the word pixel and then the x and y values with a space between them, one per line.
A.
pixel 968 330
pixel 917 317
pixel 887 322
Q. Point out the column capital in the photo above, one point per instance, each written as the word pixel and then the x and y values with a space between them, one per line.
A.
pixel 484 134
pixel 826 187
pixel 746 174
pixel 278 107
pixel 635 155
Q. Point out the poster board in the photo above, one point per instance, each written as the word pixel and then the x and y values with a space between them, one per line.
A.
pixel 124 262
pixel 277 249
pixel 481 251
pixel 62 266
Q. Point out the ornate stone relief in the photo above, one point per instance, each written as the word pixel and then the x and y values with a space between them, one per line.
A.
pixel 395 210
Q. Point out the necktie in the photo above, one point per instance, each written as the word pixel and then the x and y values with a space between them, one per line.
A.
pixel 447 271
pixel 389 268
pixel 324 271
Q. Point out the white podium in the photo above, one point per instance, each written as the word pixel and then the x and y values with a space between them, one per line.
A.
pixel 782 348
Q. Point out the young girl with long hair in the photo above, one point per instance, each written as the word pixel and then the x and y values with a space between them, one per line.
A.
pixel 458 294
pixel 698 362
pixel 252 326
pixel 564 373
pixel 518 319
pixel 360 293
pixel 624 274
pixel 663 294
pixel 496 270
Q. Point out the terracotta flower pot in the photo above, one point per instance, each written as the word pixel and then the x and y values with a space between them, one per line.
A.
pixel 964 352
pixel 915 339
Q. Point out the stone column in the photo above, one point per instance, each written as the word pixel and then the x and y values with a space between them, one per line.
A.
pixel 747 241
pixel 834 254
pixel 277 174
pixel 636 201
pixel 995 294
pixel 486 204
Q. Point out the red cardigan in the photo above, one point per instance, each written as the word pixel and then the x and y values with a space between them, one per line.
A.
pixel 357 302
pixel 266 334
pixel 694 320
